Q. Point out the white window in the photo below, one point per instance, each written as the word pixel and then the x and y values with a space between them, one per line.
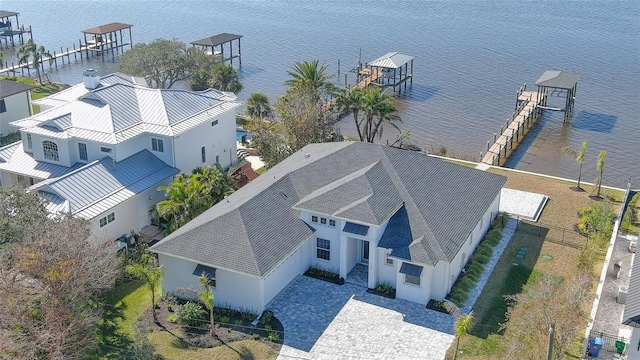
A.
pixel 323 221
pixel 157 145
pixel 410 279
pixel 29 142
pixel 332 223
pixel 314 218
pixel 214 123
pixel 323 249
pixel 106 150
pixel 203 154
pixel 107 219
pixel 82 149
pixel 50 150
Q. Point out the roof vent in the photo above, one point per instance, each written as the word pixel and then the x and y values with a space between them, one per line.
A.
pixel 91 79
pixel 307 155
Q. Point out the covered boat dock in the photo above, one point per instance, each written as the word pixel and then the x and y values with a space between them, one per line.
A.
pixel 214 45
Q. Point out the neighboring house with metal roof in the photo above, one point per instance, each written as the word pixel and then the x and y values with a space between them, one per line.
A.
pixel 15 104
pixel 100 149
pixel 114 196
pixel 412 219
pixel 631 315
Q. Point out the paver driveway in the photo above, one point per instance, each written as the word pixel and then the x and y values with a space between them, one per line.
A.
pixel 327 321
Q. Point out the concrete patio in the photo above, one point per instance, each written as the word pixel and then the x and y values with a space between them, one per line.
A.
pixel 328 321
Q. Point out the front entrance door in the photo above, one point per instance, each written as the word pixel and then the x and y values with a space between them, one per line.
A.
pixel 365 251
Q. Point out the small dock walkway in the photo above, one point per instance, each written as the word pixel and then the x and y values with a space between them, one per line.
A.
pixel 514 131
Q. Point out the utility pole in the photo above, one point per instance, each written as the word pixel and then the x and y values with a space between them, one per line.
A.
pixel 552 330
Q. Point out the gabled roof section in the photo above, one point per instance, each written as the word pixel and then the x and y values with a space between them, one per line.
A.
pixel 631 314
pixel 115 113
pixel 420 194
pixel 558 79
pixel 392 60
pixel 8 88
pixel 98 186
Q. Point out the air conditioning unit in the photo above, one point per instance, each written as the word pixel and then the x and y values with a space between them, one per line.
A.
pixel 632 246
pixel 622 294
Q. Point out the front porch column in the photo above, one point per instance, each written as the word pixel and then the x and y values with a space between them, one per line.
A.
pixel 373 264
pixel 343 256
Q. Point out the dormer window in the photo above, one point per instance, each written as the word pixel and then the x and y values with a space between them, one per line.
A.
pixel 157 145
pixel 29 142
pixel 50 150
pixel 82 150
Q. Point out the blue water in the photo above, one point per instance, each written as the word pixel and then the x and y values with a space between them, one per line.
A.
pixel 471 57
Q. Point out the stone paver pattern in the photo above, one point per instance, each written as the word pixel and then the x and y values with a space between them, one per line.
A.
pixel 328 321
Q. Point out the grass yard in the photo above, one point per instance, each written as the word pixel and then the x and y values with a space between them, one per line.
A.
pixel 40 91
pixel 170 347
pixel 543 256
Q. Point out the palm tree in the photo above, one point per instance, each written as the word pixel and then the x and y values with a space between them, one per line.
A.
pixel 310 75
pixel 149 271
pixel 461 327
pixel 379 109
pixel 36 53
pixel 225 78
pixel 600 167
pixel 207 298
pixel 175 207
pixel 258 105
pixel 579 158
pixel 351 100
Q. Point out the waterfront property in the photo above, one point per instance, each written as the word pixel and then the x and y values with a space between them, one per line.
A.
pixel 10 29
pixel 410 219
pixel 15 104
pixel 101 148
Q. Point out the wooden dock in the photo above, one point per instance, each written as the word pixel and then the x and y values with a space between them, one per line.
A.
pixel 513 132
pixel 368 77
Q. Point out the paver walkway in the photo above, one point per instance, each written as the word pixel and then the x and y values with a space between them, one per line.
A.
pixel 328 321
pixel 507 232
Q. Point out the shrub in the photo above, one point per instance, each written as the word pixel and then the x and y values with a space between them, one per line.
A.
pixel 482 259
pixel 171 318
pixel 238 322
pixel 319 273
pixel 169 308
pixel 485 249
pixel 384 288
pixel 266 318
pixel 224 319
pixel 191 314
pixel 273 335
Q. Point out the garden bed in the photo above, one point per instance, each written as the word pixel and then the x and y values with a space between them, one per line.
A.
pixel 437 306
pixel 384 290
pixel 324 275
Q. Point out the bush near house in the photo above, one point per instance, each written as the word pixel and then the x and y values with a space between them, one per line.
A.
pixel 321 274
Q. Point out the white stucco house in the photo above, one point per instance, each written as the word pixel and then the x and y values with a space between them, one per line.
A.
pixel 15 104
pixel 100 149
pixel 411 219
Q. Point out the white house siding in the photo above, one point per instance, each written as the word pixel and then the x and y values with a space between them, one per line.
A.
pixel 454 268
pixel 331 233
pixel 129 215
pixel 232 290
pixel 279 278
pixel 418 294
pixel 218 140
pixel 18 107
pixel 38 152
pixel 386 272
pixel 143 141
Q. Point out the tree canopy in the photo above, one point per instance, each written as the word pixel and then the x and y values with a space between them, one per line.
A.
pixel 376 107
pixel 164 62
pixel 50 279
pixel 31 51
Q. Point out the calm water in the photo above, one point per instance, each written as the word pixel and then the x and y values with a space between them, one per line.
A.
pixel 471 57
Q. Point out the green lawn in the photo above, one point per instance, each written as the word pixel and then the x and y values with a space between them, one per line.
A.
pixel 40 91
pixel 170 347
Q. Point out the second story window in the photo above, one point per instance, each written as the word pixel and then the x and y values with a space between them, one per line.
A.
pixel 157 145
pixel 82 150
pixel 50 150
pixel 29 142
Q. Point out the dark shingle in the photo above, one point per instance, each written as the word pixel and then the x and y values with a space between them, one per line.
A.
pixel 259 225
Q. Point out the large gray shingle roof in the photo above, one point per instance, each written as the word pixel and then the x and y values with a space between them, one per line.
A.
pixel 8 88
pixel 259 225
